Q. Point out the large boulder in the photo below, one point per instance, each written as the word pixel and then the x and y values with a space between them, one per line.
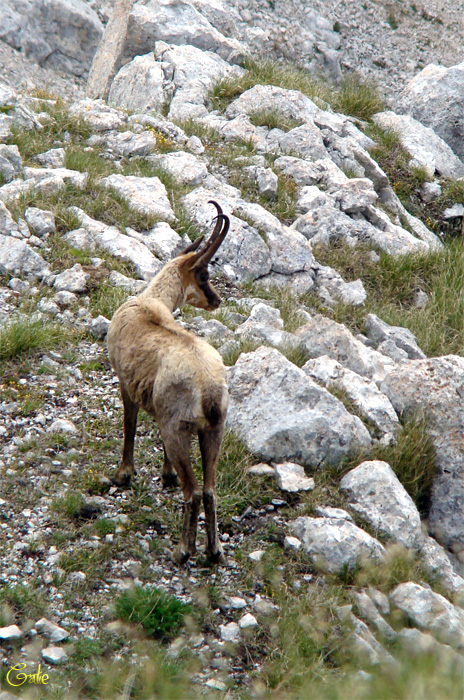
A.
pixel 323 336
pixel 139 85
pixel 59 34
pixel 375 492
pixel 176 22
pixel 430 611
pixel 435 387
pixel 435 97
pixel 335 544
pixel 281 414
pixel 290 104
pixel 424 145
pixel 370 402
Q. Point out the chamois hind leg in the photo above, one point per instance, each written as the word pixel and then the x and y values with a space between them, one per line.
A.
pixel 168 475
pixel 177 445
pixel 210 443
pixel 126 469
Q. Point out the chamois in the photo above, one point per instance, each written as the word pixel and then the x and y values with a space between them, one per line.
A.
pixel 176 377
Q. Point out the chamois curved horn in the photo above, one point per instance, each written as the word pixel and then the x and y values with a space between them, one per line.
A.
pixel 192 246
pixel 216 238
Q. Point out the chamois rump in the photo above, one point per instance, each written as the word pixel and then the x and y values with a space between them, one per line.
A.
pixel 177 378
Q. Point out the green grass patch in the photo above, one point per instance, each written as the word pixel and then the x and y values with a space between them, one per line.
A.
pixel 274 120
pixel 32 141
pixel 106 299
pixel 391 285
pixel 355 96
pixel 160 614
pixel 26 336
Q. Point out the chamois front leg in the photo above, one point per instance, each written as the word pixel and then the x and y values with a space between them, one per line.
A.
pixel 210 442
pixel 168 475
pixel 126 469
pixel 178 452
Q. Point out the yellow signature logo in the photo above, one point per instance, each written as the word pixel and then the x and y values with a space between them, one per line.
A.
pixel 16 676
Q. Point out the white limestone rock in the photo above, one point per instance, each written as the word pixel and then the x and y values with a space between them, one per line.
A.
pixel 144 194
pixel 430 611
pixel 184 167
pixel 322 336
pixel 424 145
pixel 379 331
pixel 435 386
pixel 54 655
pixel 19 258
pixel 361 391
pixel 72 280
pixel 282 415
pixel 40 221
pixel 291 104
pixel 375 492
pixel 98 115
pixel 335 544
pixel 292 478
pixel 230 632
pixel 10 632
pixel 139 85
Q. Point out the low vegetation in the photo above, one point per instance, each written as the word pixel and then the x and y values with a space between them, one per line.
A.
pixel 26 335
pixel 354 96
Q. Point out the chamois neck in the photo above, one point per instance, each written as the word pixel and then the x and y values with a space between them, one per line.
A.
pixel 167 287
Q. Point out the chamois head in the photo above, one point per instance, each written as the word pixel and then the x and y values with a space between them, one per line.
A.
pixel 198 289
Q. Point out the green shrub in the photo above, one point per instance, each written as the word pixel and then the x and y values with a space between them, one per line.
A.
pixel 160 614
pixel 23 336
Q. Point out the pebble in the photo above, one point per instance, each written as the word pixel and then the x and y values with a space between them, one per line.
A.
pixel 54 655
pixel 248 620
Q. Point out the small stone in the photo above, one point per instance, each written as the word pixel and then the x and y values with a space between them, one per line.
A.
pixel 261 470
pixel 248 620
pixel 330 512
pixel 72 280
pixel 292 478
pixel 62 425
pixel 292 543
pixel 99 327
pixel 11 632
pixel 215 684
pixel 54 655
pixel 257 555
pixel 237 603
pixel 51 630
pixel 230 632
pixel 263 606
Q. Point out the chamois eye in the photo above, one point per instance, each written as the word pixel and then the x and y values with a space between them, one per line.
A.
pixel 203 276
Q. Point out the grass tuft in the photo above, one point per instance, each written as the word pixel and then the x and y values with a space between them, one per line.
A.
pixel 160 614
pixel 25 336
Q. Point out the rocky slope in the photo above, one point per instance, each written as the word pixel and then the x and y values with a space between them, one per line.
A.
pixel 341 478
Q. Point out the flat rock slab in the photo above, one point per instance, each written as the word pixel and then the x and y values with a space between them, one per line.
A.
pixel 430 611
pixel 375 492
pixel 282 415
pixel 435 387
pixel 364 394
pixel 54 655
pixel 17 257
pixel 424 145
pixel 334 544
pixel 322 336
pixel 10 632
pixel 291 477
pixel 144 194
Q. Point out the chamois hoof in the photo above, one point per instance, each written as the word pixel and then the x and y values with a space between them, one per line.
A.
pixel 179 556
pixel 217 558
pixel 169 481
pixel 123 479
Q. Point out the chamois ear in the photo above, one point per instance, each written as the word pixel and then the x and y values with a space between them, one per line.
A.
pixel 214 241
pixel 192 247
